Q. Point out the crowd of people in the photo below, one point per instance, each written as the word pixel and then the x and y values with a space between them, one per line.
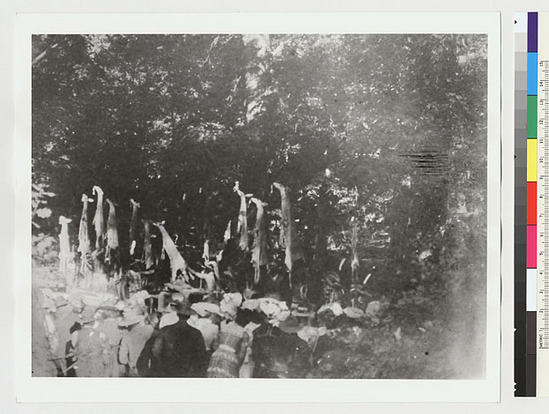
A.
pixel 184 337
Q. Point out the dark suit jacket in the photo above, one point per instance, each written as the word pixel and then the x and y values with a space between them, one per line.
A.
pixel 177 351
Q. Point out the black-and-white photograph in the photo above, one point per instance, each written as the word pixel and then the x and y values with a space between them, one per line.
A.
pixel 305 206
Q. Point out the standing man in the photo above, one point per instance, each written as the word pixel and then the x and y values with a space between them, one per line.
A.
pixel 179 349
pixel 136 334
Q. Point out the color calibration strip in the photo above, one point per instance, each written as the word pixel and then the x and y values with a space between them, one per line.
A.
pixel 540 84
pixel 531 204
pixel 526 202
pixel 523 153
pixel 525 190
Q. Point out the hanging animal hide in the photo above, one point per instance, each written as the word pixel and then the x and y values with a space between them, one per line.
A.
pixel 133 226
pixel 112 253
pixel 177 263
pixel 259 248
pixel 242 218
pixel 288 233
pixel 99 219
pixel 84 247
pixel 112 230
pixel 355 262
pixel 147 246
pixel 227 234
pixel 64 244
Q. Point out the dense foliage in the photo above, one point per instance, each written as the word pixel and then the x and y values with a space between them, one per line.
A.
pixel 383 133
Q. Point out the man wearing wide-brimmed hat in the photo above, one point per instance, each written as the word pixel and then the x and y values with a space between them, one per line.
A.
pixel 136 334
pixel 206 319
pixel 179 349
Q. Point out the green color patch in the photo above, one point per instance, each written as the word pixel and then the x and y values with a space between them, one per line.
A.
pixel 532 117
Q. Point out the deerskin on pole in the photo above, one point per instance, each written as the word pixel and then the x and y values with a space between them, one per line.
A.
pixel 83 235
pixel 99 219
pixel 177 263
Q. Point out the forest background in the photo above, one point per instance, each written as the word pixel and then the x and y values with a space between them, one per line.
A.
pixel 383 132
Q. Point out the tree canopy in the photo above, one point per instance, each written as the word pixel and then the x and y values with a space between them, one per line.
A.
pixel 388 131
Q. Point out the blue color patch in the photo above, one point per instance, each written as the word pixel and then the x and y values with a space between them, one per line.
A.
pixel 532 73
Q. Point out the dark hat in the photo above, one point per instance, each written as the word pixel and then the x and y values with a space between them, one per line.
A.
pixel 182 307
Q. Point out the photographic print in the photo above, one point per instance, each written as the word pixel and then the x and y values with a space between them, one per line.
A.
pixel 260 205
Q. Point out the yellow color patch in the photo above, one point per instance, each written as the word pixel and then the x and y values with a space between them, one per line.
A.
pixel 531 160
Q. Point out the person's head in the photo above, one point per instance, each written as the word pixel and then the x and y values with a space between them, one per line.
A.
pixel 182 307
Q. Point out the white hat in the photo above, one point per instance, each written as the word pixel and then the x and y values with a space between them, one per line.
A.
pixel 204 308
pixel 130 319
pixel 168 319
